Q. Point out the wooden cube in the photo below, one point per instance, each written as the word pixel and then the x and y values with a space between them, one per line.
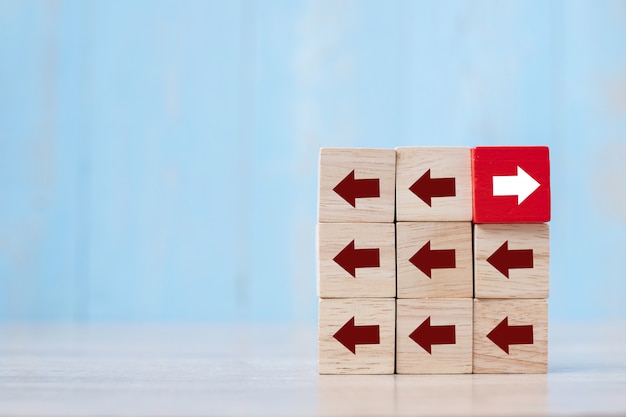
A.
pixel 511 184
pixel 357 336
pixel 434 259
pixel 356 260
pixel 434 336
pixel 511 260
pixel 433 184
pixel 357 185
pixel 510 336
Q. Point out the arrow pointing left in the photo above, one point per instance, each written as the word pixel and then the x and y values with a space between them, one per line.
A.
pixel 504 259
pixel 426 187
pixel 350 258
pixel 351 335
pixel 426 335
pixel 427 259
pixel 350 188
pixel 504 335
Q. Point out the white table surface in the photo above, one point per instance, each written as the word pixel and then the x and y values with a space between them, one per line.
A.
pixel 241 370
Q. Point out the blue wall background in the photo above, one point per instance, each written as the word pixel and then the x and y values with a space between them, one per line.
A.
pixel 158 159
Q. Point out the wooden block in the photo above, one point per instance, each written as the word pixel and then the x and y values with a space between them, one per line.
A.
pixel 511 260
pixel 510 336
pixel 357 336
pixel 356 260
pixel 433 184
pixel 434 336
pixel 434 259
pixel 357 185
pixel 511 184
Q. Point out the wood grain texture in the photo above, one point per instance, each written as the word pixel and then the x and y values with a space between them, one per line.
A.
pixel 336 164
pixel 335 282
pixel 443 162
pixel 533 282
pixel 522 358
pixel 444 282
pixel 411 358
pixel 335 358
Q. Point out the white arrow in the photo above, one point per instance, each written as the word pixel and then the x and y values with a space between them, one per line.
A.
pixel 522 185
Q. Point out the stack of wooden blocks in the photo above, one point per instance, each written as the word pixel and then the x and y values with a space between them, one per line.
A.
pixel 433 260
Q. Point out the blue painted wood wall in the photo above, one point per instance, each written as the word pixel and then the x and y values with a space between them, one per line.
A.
pixel 158 159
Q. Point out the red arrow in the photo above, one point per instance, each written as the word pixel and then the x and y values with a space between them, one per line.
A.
pixel 426 187
pixel 504 259
pixel 350 258
pixel 350 335
pixel 504 335
pixel 426 259
pixel 350 189
pixel 426 335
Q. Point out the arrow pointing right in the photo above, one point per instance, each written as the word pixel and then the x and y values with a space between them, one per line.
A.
pixel 504 335
pixel 350 335
pixel 504 259
pixel 522 185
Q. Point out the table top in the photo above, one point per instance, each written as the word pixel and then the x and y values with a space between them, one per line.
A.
pixel 271 370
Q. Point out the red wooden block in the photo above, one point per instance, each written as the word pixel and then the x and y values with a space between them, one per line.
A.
pixel 511 184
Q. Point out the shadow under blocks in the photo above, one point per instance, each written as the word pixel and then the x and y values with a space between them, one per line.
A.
pixel 433 260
